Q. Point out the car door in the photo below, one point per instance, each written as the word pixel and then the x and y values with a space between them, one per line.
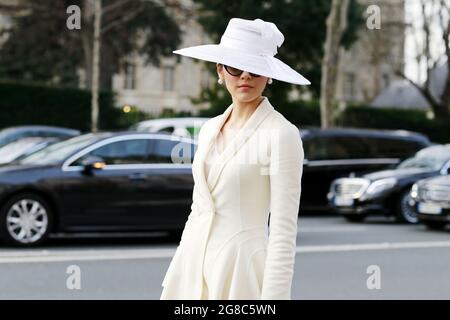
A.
pixel 329 157
pixel 114 197
pixel 170 169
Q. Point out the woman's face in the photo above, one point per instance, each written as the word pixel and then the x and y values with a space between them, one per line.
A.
pixel 244 87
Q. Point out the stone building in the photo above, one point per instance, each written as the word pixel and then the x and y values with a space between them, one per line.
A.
pixel 370 64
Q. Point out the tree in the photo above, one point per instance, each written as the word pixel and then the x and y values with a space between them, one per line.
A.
pixel 433 12
pixel 336 25
pixel 301 21
pixel 40 48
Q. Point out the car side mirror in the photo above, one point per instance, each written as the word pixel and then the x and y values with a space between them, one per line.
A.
pixel 93 163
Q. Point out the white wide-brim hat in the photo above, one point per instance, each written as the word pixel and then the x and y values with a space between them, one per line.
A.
pixel 249 45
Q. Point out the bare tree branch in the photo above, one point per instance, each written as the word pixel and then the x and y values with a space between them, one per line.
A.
pixel 125 18
pixel 424 90
pixel 114 5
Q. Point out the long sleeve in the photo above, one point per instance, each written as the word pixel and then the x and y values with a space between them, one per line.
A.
pixel 194 211
pixel 286 167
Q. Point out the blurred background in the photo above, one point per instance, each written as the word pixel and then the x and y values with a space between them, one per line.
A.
pixel 388 61
pixel 99 123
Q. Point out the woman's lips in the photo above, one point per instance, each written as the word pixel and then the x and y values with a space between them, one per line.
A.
pixel 245 86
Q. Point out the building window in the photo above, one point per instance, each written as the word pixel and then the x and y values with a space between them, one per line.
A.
pixel 168 78
pixel 349 86
pixel 130 76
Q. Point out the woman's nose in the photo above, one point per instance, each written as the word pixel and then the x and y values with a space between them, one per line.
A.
pixel 245 75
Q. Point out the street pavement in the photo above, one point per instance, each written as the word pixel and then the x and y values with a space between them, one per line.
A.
pixel 336 259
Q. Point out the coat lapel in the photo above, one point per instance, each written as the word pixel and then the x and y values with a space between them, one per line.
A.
pixel 261 112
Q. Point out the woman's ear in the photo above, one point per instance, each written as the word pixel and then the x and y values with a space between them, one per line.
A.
pixel 219 68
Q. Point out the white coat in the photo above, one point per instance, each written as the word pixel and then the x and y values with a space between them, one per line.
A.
pixel 227 250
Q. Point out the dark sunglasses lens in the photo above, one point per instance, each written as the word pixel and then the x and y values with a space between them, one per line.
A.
pixel 233 71
pixel 238 72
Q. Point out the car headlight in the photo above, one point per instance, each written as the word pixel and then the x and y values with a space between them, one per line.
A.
pixel 379 186
pixel 414 191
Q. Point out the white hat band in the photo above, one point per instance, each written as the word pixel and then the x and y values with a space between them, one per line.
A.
pixel 248 41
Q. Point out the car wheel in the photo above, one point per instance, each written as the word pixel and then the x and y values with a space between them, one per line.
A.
pixel 404 212
pixel 26 220
pixel 435 225
pixel 356 218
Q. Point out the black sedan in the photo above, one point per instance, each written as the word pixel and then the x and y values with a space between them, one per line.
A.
pixel 388 191
pixel 98 182
pixel 339 152
pixel 430 199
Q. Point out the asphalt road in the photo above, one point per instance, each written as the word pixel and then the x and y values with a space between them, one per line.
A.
pixel 376 259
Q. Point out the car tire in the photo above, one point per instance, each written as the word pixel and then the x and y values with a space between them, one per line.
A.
pixel 25 220
pixel 356 218
pixel 435 225
pixel 403 211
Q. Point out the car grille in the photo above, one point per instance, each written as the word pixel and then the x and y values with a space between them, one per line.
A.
pixel 439 195
pixel 350 187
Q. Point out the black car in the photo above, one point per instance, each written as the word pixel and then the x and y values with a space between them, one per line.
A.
pixel 98 182
pixel 342 152
pixel 12 134
pixel 430 200
pixel 388 191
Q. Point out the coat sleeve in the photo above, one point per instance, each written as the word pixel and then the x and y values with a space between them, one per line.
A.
pixel 193 212
pixel 286 167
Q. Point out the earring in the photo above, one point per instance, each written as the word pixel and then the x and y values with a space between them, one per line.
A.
pixel 270 81
pixel 220 81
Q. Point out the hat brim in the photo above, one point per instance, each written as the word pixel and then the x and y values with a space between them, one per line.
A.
pixel 263 65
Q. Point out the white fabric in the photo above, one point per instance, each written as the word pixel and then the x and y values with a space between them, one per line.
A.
pixel 226 251
pixel 248 45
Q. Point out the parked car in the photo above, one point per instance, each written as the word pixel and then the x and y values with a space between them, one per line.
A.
pixel 183 127
pixel 23 147
pixel 430 200
pixel 343 152
pixel 98 182
pixel 388 191
pixel 12 134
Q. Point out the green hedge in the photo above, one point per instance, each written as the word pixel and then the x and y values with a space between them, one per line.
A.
pixel 27 104
pixel 438 130
pixel 357 116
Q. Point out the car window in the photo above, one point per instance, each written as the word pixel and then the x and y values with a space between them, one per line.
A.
pixel 393 148
pixel 335 148
pixel 119 152
pixel 59 151
pixel 171 151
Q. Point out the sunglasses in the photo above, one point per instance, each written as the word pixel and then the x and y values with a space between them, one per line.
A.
pixel 237 72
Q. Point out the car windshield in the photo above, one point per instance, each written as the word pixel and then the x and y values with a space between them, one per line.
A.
pixel 57 152
pixel 429 159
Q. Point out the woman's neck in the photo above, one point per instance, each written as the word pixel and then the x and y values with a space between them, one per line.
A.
pixel 242 111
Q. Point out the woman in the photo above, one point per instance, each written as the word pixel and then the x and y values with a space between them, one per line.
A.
pixel 248 165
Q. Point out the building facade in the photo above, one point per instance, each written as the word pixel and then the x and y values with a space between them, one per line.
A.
pixel 370 64
pixel 365 69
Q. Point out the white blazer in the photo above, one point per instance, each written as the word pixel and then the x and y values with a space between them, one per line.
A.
pixel 259 173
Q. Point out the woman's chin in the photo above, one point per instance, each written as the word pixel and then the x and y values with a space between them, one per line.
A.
pixel 245 97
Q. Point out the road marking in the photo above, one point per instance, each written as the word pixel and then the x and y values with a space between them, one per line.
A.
pixel 374 246
pixel 332 229
pixel 124 254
